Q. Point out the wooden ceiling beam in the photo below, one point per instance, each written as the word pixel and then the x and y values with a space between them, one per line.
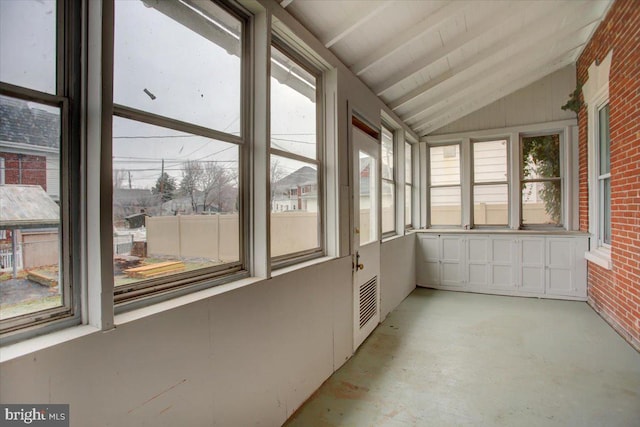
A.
pixel 425 26
pixel 353 22
pixel 489 24
pixel 526 59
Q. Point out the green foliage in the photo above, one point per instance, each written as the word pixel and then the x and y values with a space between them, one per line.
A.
pixel 541 159
pixel 574 103
pixel 165 187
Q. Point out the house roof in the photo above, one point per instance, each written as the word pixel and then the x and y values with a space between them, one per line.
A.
pixel 306 175
pixel 27 206
pixel 25 122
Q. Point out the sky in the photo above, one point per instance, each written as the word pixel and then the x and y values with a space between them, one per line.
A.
pixel 162 67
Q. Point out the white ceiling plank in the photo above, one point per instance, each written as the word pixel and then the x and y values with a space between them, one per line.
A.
pixel 526 59
pixel 483 96
pixel 458 42
pixel 518 68
pixel 285 3
pixel 353 22
pixel 428 24
pixel 493 55
pixel 451 117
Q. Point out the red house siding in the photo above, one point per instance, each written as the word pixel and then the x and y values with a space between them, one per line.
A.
pixel 615 294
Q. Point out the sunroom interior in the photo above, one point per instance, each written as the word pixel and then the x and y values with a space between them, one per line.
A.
pixel 207 206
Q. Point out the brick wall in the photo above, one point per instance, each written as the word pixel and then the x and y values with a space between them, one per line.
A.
pixel 615 294
pixel 28 170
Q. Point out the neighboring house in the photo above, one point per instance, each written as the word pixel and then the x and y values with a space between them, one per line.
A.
pixel 29 146
pixel 130 201
pixel 297 191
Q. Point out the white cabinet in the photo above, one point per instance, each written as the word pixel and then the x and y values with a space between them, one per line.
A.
pixel 504 264
pixel 532 264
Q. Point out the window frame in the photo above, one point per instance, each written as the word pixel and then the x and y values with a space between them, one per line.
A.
pixel 561 179
pixel 459 185
pixel 602 178
pixel 507 182
pixel 286 260
pixel 68 99
pixel 392 181
pixel 408 185
pixel 157 289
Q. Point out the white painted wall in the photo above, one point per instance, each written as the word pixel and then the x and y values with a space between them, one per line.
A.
pixel 539 102
pixel 397 272
pixel 246 357
pixel 251 356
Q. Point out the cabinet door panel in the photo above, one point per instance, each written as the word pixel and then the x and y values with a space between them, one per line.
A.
pixel 503 264
pixel 532 264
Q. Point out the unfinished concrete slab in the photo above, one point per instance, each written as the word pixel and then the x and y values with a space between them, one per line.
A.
pixel 458 359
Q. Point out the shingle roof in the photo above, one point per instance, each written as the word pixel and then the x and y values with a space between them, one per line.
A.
pixel 23 122
pixel 27 206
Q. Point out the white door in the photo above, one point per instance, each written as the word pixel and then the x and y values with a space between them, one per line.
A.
pixel 365 235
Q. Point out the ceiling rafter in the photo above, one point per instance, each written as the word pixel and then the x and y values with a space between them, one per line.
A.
pixel 353 22
pixel 428 24
pixel 518 66
pixel 285 3
pixel 484 96
pixel 534 50
pixel 451 116
pixel 449 47
pixel 485 56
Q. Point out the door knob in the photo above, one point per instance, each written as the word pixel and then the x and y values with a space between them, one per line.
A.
pixel 357 230
pixel 360 266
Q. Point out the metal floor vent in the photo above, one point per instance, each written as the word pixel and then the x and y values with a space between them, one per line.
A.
pixel 368 300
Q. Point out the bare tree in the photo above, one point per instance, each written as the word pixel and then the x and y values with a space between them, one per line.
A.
pixel 216 181
pixel 276 174
pixel 192 174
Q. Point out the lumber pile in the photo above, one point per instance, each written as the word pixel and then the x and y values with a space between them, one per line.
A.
pixel 42 279
pixel 152 270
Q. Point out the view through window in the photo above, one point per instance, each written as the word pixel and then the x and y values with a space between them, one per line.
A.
pixel 177 134
pixel 31 143
pixel 541 180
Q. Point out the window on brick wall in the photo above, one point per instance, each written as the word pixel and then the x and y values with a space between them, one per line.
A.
pixel 596 96
pixel 604 177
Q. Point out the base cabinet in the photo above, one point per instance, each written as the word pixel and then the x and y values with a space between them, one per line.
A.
pixel 541 265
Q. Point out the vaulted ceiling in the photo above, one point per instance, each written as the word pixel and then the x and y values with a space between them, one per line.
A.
pixel 433 62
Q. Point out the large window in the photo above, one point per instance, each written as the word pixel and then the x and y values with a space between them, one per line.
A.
pixel 541 180
pixel 388 183
pixel 490 183
pixel 604 177
pixel 296 184
pixel 177 145
pixel 445 195
pixel 39 148
pixel 408 186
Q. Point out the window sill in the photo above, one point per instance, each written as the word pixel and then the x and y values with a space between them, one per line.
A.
pixel 600 256
pixel 300 265
pixel 31 345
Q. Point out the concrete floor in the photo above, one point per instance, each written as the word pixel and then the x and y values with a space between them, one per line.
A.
pixel 457 359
